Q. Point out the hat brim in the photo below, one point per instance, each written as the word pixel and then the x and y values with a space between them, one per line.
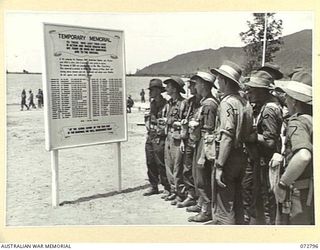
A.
pixel 281 86
pixel 191 81
pixel 299 96
pixel 277 73
pixel 163 89
pixel 205 80
pixel 221 72
pixel 181 89
pixel 255 85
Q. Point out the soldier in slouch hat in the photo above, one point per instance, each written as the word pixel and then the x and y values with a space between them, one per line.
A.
pixel 233 127
pixel 188 145
pixel 154 147
pixel 174 111
pixel 295 189
pixel 202 126
pixel 266 141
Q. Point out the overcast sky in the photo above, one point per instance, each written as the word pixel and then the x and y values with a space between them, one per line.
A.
pixel 149 37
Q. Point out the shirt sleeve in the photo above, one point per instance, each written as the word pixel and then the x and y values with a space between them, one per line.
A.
pixel 299 136
pixel 209 113
pixel 270 124
pixel 228 119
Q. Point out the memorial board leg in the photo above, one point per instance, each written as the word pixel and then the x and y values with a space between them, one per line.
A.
pixel 118 163
pixel 55 177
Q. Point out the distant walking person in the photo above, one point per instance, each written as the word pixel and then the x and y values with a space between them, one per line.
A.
pixel 130 104
pixel 40 98
pixel 23 99
pixel 31 103
pixel 142 94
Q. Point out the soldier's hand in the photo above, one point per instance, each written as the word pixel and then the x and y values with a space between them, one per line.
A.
pixel 280 194
pixel 218 177
pixel 276 160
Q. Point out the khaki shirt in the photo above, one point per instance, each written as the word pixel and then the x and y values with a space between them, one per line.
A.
pixel 192 105
pixel 208 113
pixel 156 109
pixel 156 112
pixel 175 110
pixel 269 123
pixel 299 136
pixel 234 119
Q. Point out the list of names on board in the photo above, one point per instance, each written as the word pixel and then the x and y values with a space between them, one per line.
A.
pixel 85 84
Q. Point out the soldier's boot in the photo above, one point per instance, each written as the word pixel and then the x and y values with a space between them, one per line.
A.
pixel 247 219
pixel 176 200
pixel 205 214
pixel 188 202
pixel 200 217
pixel 151 191
pixel 195 208
pixel 165 194
pixel 171 197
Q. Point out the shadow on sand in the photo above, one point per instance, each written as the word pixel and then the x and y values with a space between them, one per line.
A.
pixel 99 196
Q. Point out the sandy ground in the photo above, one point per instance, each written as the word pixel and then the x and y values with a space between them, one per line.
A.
pixel 87 177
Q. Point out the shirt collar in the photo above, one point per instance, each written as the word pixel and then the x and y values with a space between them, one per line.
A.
pixel 205 98
pixel 171 101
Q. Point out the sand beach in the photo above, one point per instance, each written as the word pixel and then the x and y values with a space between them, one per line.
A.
pixel 87 177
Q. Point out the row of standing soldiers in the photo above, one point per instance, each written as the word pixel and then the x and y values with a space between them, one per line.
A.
pixel 222 157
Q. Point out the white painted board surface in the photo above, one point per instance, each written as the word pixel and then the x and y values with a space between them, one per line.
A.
pixel 84 86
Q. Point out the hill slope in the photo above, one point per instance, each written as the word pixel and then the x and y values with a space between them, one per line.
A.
pixel 296 51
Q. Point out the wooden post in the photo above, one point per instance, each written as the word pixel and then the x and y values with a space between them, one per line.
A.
pixel 118 163
pixel 55 177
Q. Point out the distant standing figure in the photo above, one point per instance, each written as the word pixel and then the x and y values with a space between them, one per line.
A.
pixel 23 99
pixel 40 98
pixel 31 103
pixel 130 104
pixel 142 94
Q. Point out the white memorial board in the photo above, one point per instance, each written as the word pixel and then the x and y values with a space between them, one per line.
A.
pixel 84 86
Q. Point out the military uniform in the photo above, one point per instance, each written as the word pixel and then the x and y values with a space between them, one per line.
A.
pixel 234 124
pixel 154 146
pixel 299 136
pixel 188 172
pixel 294 191
pixel 260 204
pixel 173 155
pixel 202 165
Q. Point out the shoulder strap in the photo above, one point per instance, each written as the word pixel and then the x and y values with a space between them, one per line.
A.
pixel 182 106
pixel 199 112
pixel 272 104
pixel 269 104
pixel 165 110
pixel 206 103
pixel 211 99
pixel 307 117
pixel 189 110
